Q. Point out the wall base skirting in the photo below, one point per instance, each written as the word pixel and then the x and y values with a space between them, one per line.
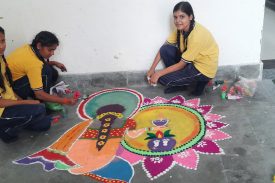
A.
pixel 137 78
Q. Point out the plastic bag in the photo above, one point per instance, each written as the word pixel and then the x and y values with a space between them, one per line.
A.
pixel 247 86
pixel 60 88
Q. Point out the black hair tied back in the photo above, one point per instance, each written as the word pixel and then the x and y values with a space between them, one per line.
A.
pixel 45 38
pixel 7 75
pixel 185 7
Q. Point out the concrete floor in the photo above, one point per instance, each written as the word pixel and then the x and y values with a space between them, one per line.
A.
pixel 249 155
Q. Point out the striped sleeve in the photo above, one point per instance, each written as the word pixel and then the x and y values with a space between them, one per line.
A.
pixel 186 61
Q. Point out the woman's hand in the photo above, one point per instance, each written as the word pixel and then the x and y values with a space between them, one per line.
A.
pixel 150 72
pixel 154 78
pixel 69 101
pixel 59 65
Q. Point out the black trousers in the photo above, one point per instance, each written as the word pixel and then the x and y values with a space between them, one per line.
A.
pixel 189 74
pixel 49 77
pixel 30 116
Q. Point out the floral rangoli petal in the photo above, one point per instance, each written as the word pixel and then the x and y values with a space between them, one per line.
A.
pixel 147 101
pixel 208 147
pixel 188 159
pixel 215 125
pixel 156 166
pixel 212 117
pixel 193 103
pixel 159 100
pixel 216 135
pixel 204 109
pixel 177 100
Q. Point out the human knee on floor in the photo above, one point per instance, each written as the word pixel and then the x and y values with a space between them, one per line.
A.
pixel 40 122
pixel 41 125
pixel 39 110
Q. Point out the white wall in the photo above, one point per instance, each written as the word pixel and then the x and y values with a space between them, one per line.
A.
pixel 124 35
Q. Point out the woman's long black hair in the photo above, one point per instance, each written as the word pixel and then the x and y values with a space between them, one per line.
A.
pixel 8 72
pixel 45 38
pixel 186 8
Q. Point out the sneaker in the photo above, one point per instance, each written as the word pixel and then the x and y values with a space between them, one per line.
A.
pixel 173 89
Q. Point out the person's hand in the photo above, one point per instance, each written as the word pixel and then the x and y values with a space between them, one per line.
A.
pixel 30 101
pixel 60 66
pixel 135 133
pixel 149 74
pixel 154 78
pixel 69 101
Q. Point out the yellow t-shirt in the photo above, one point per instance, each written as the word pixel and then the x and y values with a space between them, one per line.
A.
pixel 22 62
pixel 9 94
pixel 202 49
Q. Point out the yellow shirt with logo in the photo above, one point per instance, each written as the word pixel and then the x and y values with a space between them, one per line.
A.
pixel 23 62
pixel 202 49
pixel 9 94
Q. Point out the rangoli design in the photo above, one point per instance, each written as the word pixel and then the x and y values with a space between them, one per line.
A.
pixel 122 129
pixel 185 130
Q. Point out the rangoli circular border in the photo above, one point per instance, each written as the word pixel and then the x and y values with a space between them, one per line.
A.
pixel 179 149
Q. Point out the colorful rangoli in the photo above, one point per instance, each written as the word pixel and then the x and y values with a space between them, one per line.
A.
pixel 121 129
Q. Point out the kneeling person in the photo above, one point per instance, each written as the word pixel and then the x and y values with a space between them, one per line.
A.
pixel 33 74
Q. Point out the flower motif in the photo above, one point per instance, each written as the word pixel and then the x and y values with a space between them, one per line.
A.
pixel 202 144
pixel 158 165
pixel 156 160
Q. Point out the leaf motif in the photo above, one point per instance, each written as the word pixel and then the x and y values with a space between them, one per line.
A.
pixel 150 136
pixel 167 134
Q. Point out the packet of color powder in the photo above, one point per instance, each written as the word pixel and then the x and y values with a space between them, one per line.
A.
pixel 154 85
pixel 247 86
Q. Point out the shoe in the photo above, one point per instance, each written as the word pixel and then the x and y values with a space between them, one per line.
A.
pixel 199 88
pixel 173 89
pixel 196 93
pixel 7 138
